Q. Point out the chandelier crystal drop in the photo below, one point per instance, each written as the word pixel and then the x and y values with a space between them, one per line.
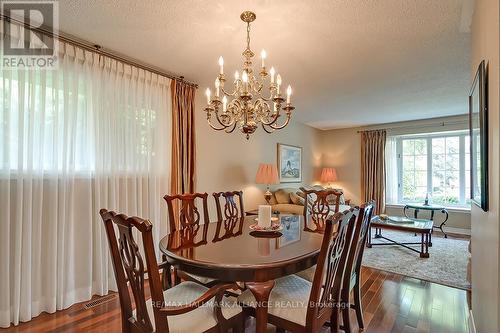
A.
pixel 246 106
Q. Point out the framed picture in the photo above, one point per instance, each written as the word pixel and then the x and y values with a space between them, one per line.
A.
pixel 289 163
pixel 291 230
pixel 478 127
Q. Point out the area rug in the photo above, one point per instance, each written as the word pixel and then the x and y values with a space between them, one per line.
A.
pixel 446 265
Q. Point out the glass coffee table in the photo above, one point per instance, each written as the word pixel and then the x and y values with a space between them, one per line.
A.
pixel 411 225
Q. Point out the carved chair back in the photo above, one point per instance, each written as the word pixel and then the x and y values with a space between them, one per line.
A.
pixel 358 241
pixel 233 205
pixel 326 288
pixel 317 209
pixel 183 213
pixel 130 269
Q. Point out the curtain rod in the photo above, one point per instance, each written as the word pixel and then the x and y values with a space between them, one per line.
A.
pixel 96 48
pixel 437 124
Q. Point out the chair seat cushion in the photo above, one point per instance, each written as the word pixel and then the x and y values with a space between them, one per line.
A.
pixel 201 279
pixel 289 299
pixel 198 320
pixel 307 274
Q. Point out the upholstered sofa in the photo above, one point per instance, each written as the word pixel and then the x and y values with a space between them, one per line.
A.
pixel 291 200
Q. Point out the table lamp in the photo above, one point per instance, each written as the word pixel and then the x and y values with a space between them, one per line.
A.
pixel 267 174
pixel 328 175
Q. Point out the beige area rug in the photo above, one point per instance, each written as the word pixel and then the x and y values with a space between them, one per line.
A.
pixel 446 265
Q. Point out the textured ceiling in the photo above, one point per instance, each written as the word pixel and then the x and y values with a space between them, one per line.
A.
pixel 351 62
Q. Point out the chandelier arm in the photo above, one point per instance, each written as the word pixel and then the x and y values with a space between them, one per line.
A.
pixel 214 127
pixel 266 130
pixel 232 129
pixel 275 114
pixel 226 125
pixel 278 127
pixel 229 94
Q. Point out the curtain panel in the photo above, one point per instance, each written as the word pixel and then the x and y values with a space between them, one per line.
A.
pixel 183 138
pixel 373 168
pixel 94 133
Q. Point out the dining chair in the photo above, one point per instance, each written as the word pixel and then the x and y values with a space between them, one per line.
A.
pixel 186 307
pixel 352 276
pixel 185 219
pixel 233 205
pixel 298 305
pixel 317 207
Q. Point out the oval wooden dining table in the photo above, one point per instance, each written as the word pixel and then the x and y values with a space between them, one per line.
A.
pixel 228 251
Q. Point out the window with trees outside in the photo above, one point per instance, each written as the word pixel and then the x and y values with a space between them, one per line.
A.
pixel 436 165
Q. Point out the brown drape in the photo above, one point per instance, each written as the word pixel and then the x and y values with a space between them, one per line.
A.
pixel 183 138
pixel 373 168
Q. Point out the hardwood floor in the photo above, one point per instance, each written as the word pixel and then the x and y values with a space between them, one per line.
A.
pixel 391 303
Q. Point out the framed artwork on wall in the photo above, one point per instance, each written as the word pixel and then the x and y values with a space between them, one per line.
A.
pixel 289 163
pixel 478 127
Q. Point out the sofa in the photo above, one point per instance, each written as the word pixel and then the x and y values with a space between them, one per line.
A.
pixel 291 200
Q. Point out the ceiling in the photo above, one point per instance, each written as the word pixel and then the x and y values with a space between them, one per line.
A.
pixel 350 62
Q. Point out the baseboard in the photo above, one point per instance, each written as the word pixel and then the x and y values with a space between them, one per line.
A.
pixel 472 326
pixel 459 231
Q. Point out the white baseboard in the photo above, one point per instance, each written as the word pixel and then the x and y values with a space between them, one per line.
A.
pixel 472 326
pixel 459 231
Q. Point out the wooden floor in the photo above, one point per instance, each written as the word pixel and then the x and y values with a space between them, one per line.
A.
pixel 391 303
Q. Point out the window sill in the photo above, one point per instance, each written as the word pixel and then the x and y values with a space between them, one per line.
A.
pixel 462 210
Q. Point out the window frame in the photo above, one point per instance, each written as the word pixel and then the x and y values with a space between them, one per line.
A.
pixel 461 134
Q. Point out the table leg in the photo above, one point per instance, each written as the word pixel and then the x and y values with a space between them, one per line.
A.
pixel 261 291
pixel 425 246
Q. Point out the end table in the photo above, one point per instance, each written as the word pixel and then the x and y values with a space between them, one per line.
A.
pixel 432 209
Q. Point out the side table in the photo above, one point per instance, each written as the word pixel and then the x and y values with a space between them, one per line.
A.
pixel 432 209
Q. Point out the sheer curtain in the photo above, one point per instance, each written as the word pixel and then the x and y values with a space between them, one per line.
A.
pixel 94 133
pixel 391 177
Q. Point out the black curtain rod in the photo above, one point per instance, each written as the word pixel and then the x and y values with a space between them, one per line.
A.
pixel 95 48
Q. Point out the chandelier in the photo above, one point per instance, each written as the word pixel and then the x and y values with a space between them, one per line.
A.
pixel 247 106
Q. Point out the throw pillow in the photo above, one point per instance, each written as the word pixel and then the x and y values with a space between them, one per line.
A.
pixel 296 200
pixel 282 196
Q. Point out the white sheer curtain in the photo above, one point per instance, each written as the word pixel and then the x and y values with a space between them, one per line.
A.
pixel 93 134
pixel 391 175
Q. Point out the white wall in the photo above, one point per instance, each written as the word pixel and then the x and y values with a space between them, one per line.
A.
pixel 230 161
pixel 485 226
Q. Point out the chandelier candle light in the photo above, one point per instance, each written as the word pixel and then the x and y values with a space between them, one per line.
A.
pixel 246 106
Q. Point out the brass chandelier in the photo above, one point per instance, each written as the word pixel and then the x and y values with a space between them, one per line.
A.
pixel 246 106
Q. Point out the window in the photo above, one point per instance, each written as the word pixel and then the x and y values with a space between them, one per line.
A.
pixel 436 164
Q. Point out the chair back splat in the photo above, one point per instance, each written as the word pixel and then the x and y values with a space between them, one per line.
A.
pixel 130 268
pixel 233 205
pixel 324 300
pixel 183 212
pixel 317 209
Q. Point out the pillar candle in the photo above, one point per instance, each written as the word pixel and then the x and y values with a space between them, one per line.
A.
pixel 264 216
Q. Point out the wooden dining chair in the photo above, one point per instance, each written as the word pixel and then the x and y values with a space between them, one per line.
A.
pixel 183 212
pixel 317 208
pixel 352 276
pixel 185 219
pixel 233 205
pixel 298 305
pixel 186 307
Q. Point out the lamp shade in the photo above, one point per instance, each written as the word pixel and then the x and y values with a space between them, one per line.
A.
pixel 328 175
pixel 267 174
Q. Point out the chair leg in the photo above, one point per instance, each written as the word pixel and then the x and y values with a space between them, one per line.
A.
pixel 334 320
pixel 357 305
pixel 240 325
pixel 345 317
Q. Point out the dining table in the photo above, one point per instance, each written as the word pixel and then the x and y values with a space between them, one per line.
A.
pixel 229 251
